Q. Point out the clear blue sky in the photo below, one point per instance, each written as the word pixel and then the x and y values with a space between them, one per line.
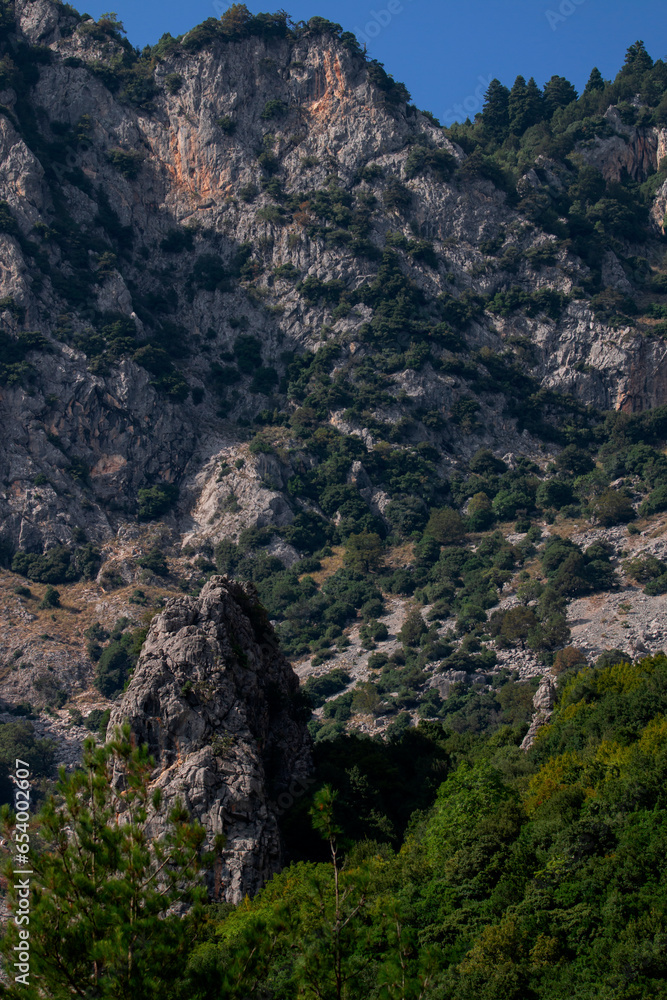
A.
pixel 444 51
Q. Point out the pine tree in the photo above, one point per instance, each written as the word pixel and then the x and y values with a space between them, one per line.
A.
pixel 334 943
pixel 235 20
pixel 595 81
pixel 495 112
pixel 103 887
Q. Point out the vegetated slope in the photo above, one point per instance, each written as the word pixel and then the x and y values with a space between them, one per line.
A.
pixel 250 290
pixel 440 865
pixel 530 875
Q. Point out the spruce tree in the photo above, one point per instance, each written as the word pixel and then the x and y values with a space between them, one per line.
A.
pixel 495 112
pixel 516 106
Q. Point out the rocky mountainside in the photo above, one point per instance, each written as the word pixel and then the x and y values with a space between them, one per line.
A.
pixel 262 316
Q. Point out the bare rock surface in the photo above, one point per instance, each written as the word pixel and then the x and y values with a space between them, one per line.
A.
pixel 216 703
pixel 543 703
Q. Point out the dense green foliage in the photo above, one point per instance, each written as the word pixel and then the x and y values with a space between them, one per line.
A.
pixel 516 126
pixel 524 875
pixel 59 564
pixel 441 865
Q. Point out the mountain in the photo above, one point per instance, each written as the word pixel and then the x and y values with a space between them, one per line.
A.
pixel 262 316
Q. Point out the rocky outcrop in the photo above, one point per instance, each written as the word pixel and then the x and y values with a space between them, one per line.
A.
pixel 218 707
pixel 628 151
pixel 543 703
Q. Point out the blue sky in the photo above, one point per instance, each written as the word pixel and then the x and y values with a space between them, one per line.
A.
pixel 446 52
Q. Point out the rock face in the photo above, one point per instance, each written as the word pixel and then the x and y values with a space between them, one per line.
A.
pixel 543 703
pixel 137 174
pixel 629 150
pixel 217 705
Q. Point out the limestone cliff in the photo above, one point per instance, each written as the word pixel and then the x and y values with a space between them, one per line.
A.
pixel 133 211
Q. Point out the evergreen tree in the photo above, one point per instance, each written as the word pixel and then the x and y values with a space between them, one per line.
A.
pixel 334 943
pixel 495 112
pixel 516 105
pixel 595 81
pixel 526 105
pixel 558 93
pixel 103 887
pixel 534 103
pixel 235 20
pixel 637 60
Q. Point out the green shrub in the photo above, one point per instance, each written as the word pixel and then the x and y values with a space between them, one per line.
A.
pixel 97 721
pixel 248 192
pixel 413 628
pixel 363 552
pixel 655 502
pixel 612 507
pixel 273 108
pixel 18 740
pixel 226 124
pixel 273 214
pixel 407 514
pixel 656 586
pixel 573 572
pixel 248 353
pixel 286 272
pixel 319 689
pixel 554 493
pixel 373 631
pixel 126 161
pixel 154 561
pixel 422 160
pixel 446 526
pixel 117 662
pixel 265 380
pixel 173 82
pixel 397 196
pixel 480 513
pixel 51 598
pixel 155 500
pixel 58 565
pixel 644 568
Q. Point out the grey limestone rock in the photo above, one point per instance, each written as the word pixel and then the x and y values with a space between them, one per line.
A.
pixel 217 705
pixel 543 703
